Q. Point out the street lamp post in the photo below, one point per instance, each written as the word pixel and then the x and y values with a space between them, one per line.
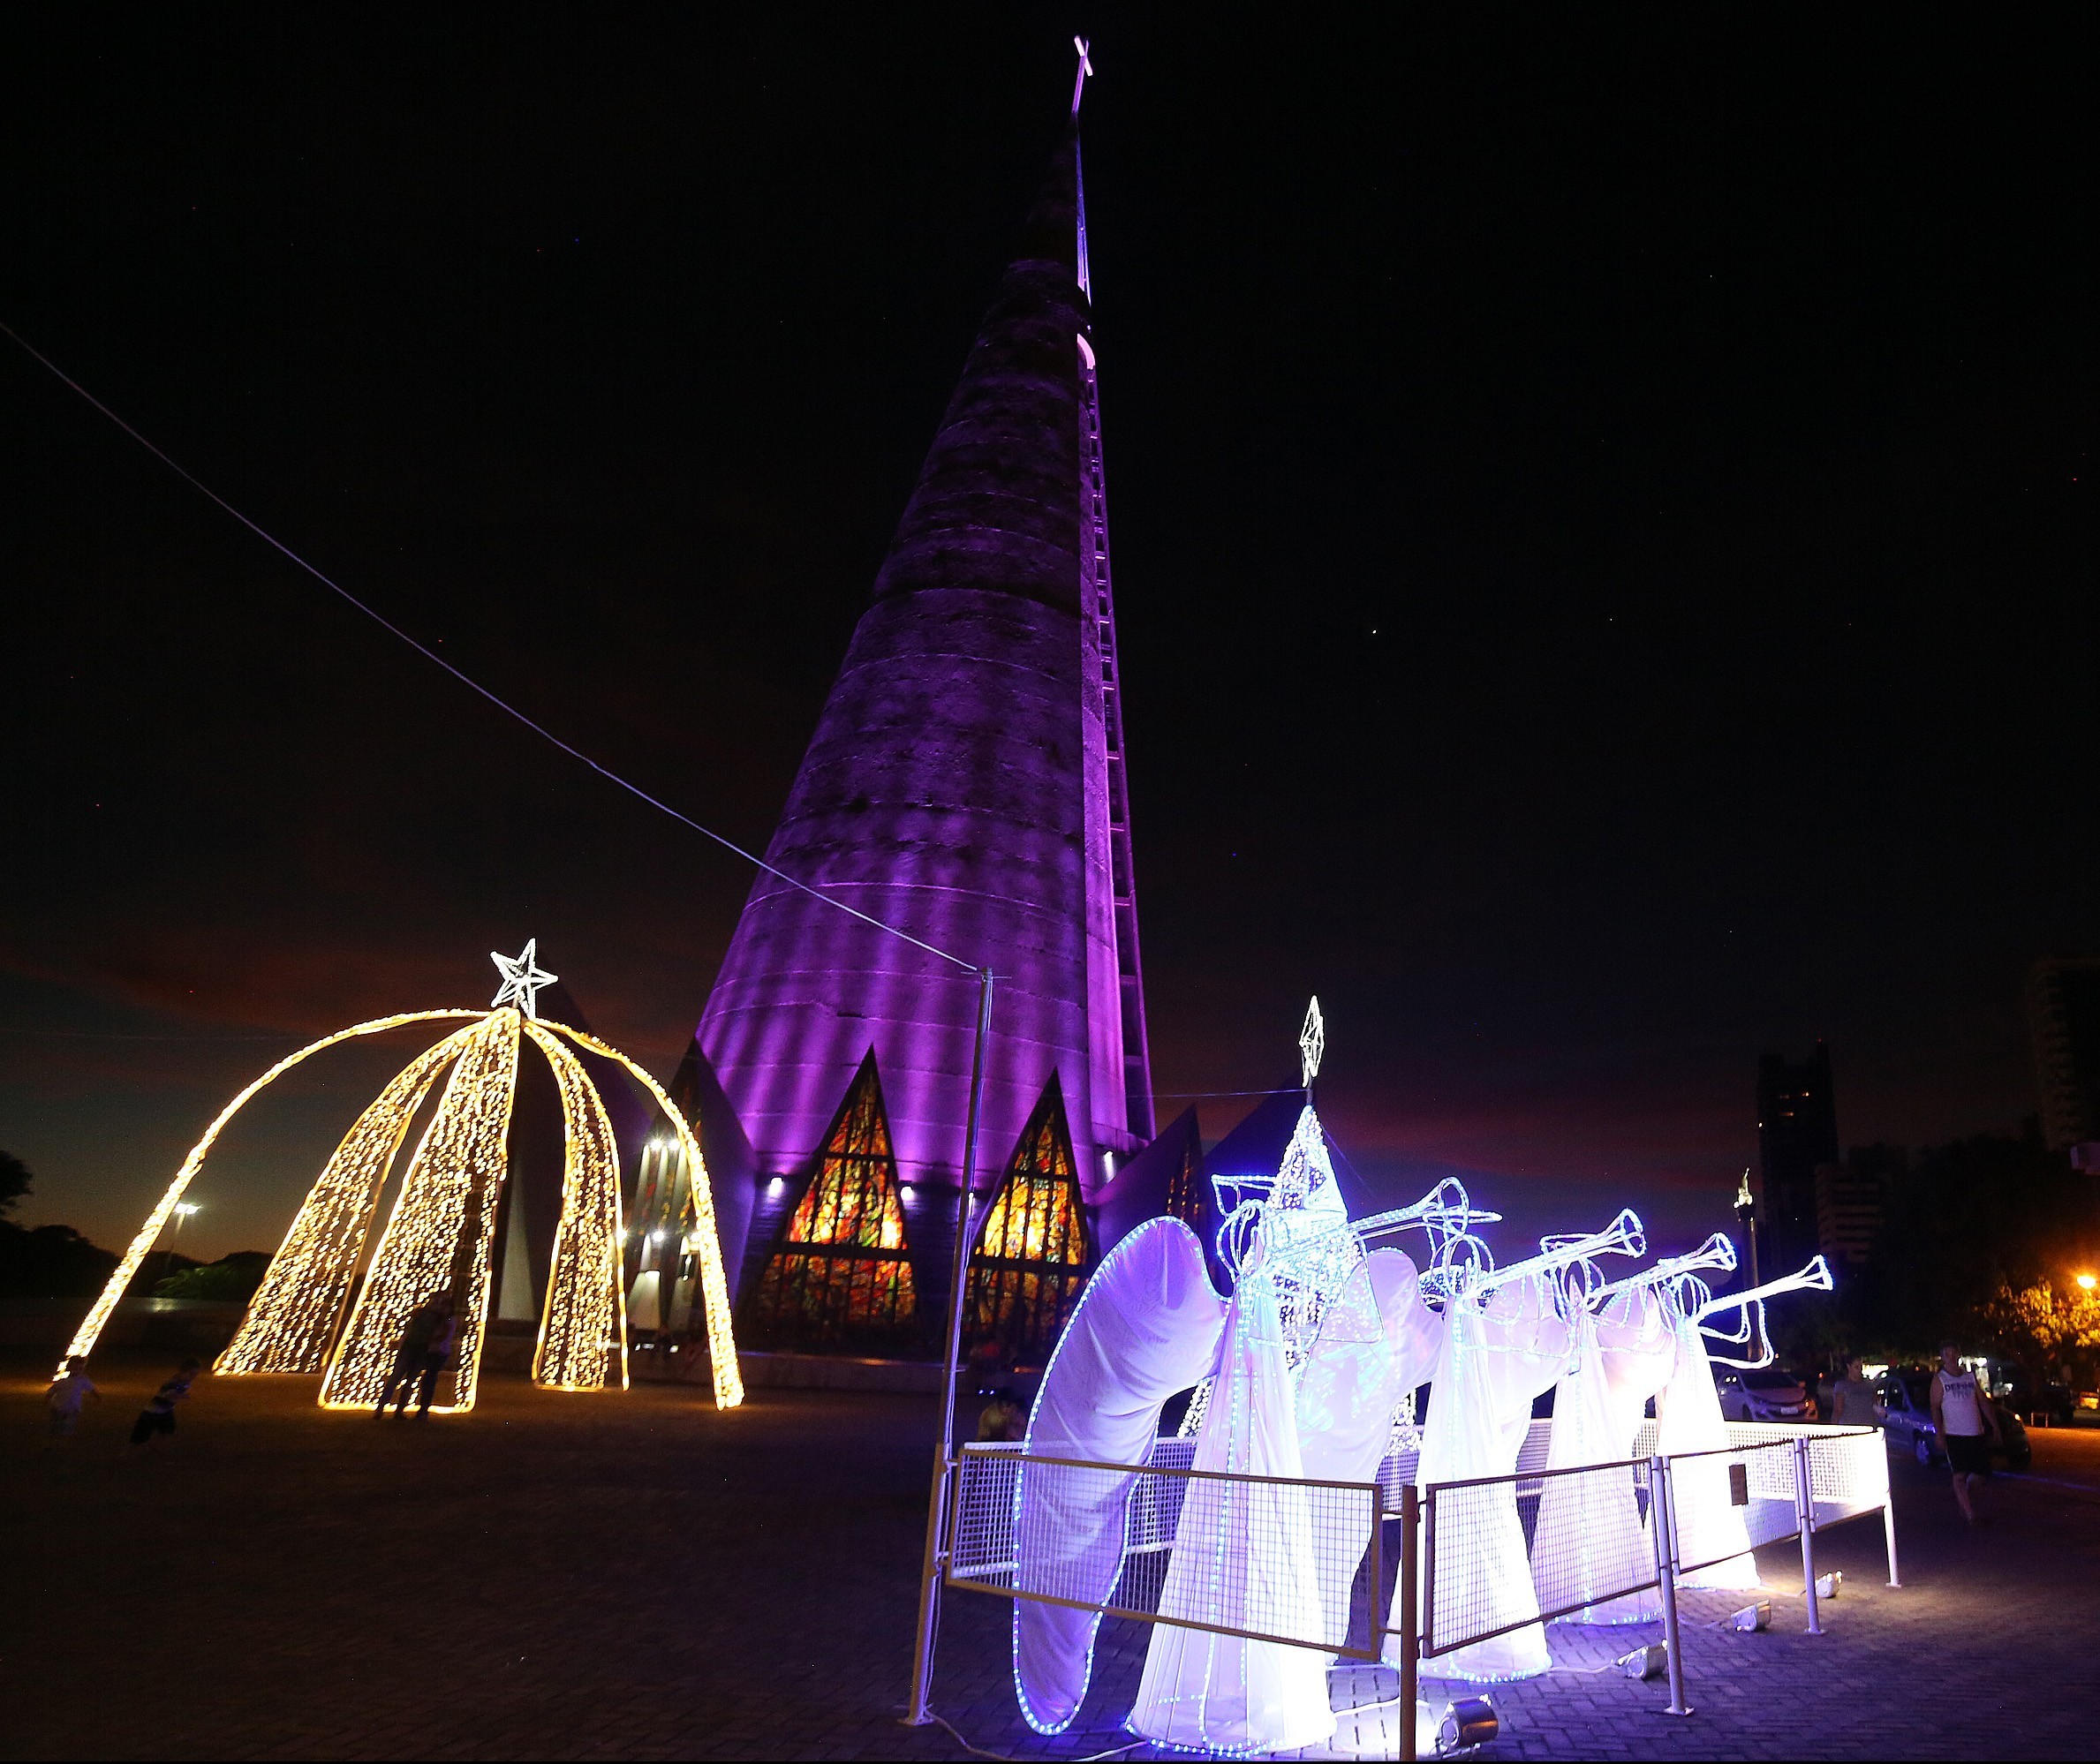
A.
pixel 1746 1215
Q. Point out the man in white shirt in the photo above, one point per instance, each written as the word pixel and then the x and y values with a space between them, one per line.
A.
pixel 1966 1425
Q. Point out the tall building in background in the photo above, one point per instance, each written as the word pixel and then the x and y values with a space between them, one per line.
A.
pixel 2063 1005
pixel 1852 1199
pixel 965 784
pixel 1797 1130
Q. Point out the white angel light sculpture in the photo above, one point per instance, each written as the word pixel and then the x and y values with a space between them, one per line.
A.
pixel 1243 1559
pixel 1148 1325
pixel 1712 1531
pixel 1590 1539
pixel 1506 1337
pixel 1378 1340
pixel 1307 1363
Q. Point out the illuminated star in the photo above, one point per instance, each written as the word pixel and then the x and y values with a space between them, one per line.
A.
pixel 1312 1041
pixel 522 977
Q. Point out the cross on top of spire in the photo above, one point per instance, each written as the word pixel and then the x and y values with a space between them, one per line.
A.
pixel 1085 68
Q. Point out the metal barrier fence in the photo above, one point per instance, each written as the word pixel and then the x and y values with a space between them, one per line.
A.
pixel 1483 1565
pixel 1101 1537
pixel 1501 1554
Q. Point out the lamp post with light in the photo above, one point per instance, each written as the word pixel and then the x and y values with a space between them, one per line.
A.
pixel 1746 1215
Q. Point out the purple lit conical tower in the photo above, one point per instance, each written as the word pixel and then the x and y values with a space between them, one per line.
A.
pixel 966 784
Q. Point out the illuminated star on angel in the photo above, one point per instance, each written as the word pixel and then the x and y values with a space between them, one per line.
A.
pixel 1312 1041
pixel 522 977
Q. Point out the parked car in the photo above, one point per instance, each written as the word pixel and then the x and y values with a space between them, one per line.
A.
pixel 2016 1391
pixel 1766 1395
pixel 1906 1405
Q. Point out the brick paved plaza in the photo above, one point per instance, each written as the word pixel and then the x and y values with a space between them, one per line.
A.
pixel 639 1577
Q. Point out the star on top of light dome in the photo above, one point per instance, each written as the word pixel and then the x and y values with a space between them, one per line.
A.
pixel 522 977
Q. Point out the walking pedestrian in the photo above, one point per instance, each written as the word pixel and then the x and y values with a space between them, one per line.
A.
pixel 437 1353
pixel 1853 1398
pixel 409 1352
pixel 69 1392
pixel 1964 1420
pixel 158 1415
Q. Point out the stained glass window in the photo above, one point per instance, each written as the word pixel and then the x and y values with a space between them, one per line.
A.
pixel 841 1277
pixel 1031 1255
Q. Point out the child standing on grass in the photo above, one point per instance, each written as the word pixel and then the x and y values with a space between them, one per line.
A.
pixel 158 1415
pixel 68 1394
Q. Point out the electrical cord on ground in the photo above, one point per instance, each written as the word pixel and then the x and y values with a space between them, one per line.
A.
pixel 467 680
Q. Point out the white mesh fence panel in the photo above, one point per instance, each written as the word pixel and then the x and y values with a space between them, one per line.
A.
pixel 1245 1543
pixel 1848 1466
pixel 1584 1537
pixel 1725 1504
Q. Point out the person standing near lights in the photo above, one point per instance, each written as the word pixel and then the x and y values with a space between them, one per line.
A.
pixel 68 1393
pixel 436 1355
pixel 1852 1397
pixel 1965 1421
pixel 410 1354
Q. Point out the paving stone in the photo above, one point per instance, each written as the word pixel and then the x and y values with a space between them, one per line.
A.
pixel 639 1576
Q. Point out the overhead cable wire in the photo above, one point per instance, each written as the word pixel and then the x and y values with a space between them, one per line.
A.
pixel 464 679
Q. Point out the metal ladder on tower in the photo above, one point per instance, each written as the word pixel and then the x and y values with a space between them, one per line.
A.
pixel 1137 1086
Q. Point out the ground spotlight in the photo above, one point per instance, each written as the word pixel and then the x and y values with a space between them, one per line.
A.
pixel 1470 1721
pixel 1829 1585
pixel 1651 1662
pixel 1751 1617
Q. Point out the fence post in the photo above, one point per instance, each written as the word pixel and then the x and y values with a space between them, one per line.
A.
pixel 1662 1528
pixel 1888 1528
pixel 1411 1514
pixel 916 1714
pixel 1804 1516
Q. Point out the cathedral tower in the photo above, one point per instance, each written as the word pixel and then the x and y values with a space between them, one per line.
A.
pixel 965 783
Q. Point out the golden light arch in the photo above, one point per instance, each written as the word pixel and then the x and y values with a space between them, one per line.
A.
pixel 439 1234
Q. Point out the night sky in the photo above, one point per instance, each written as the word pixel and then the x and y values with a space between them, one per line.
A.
pixel 1601 530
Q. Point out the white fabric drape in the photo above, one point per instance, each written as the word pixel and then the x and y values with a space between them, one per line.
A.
pixel 1376 1341
pixel 1147 1325
pixel 1588 1544
pixel 1495 1359
pixel 1243 1559
pixel 1688 1419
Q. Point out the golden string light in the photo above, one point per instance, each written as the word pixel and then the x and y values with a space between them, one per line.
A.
pixel 714 1287
pixel 440 1234
pixel 292 1316
pixel 99 1314
pixel 585 1323
pixel 443 1229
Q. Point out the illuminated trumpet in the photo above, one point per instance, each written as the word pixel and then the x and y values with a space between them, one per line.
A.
pixel 1816 1277
pixel 1624 1236
pixel 1716 1252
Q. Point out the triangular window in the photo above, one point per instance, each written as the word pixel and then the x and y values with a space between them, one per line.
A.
pixel 839 1276
pixel 1033 1253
